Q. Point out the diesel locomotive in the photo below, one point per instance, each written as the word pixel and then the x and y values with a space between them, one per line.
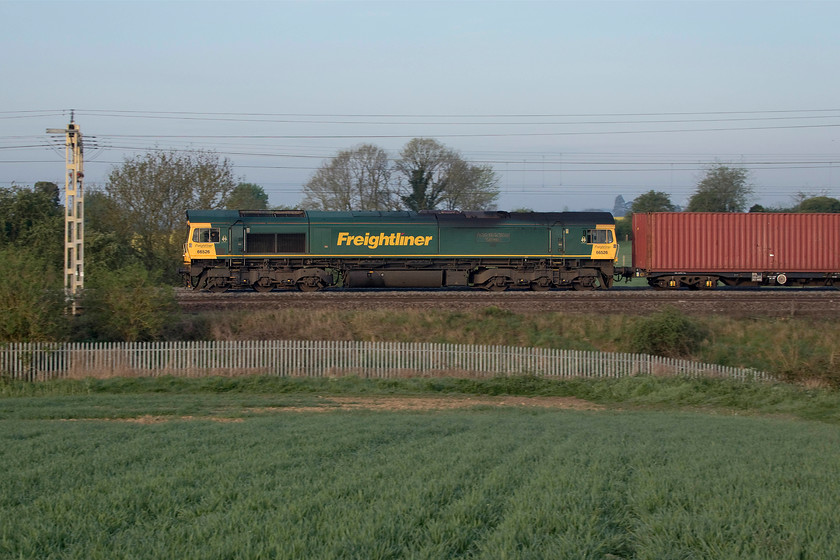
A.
pixel 312 250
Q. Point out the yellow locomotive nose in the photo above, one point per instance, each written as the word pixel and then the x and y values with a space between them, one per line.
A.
pixel 602 239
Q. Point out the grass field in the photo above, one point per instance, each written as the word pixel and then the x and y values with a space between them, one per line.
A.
pixel 247 469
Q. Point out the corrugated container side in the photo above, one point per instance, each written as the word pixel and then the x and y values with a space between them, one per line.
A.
pixel 736 242
pixel 641 241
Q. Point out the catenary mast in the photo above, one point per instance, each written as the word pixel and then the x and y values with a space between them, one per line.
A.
pixel 74 211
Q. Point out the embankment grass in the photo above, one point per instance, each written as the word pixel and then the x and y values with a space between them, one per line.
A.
pixel 490 325
pixel 802 350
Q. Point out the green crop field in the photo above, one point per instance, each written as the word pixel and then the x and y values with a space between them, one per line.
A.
pixel 258 475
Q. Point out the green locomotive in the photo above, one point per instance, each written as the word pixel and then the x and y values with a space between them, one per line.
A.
pixel 309 250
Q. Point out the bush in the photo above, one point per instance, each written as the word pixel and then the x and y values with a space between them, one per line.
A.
pixel 129 305
pixel 668 333
pixel 32 306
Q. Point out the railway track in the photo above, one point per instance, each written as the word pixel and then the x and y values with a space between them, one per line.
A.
pixel 767 302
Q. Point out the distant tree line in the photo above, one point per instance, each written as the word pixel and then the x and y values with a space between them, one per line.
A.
pixel 726 189
pixel 722 189
pixel 426 176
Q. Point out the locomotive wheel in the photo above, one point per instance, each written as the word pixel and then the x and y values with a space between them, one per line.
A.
pixel 539 286
pixel 263 288
pixel 584 284
pixel 496 284
pixel 218 288
pixel 309 285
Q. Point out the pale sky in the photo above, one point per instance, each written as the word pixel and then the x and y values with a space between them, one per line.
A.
pixel 572 103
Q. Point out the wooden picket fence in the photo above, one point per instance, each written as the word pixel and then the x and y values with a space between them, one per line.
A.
pixel 47 361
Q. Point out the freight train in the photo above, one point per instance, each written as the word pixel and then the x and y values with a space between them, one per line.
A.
pixel 309 251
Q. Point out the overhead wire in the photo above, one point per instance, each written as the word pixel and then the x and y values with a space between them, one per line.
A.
pixel 116 112
pixel 470 135
pixel 247 147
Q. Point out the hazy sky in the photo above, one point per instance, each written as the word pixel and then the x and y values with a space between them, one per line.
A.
pixel 572 103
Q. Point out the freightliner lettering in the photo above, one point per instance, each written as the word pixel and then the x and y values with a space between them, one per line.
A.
pixel 375 240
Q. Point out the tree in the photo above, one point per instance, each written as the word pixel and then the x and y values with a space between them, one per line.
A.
pixel 31 297
pixel 804 203
pixel 32 252
pixel 818 204
pixel 356 179
pixel 653 201
pixel 424 165
pixel 434 175
pixel 128 305
pixel 247 196
pixel 32 220
pixel 106 248
pixel 723 189
pixel 149 194
pixel 470 187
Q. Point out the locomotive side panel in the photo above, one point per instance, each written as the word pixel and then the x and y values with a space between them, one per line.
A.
pixel 373 234
pixel 493 235
pixel 270 238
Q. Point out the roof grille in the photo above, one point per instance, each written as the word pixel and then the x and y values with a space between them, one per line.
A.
pixel 272 213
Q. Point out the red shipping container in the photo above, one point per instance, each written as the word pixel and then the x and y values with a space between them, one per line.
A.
pixel 712 242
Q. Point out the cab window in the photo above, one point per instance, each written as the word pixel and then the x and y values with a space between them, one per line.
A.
pixel 598 236
pixel 206 235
